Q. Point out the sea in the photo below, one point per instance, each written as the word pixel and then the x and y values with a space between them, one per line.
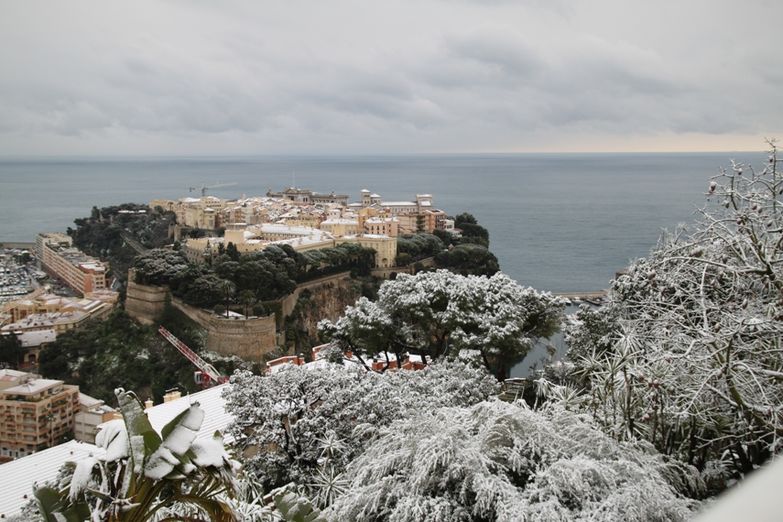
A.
pixel 557 222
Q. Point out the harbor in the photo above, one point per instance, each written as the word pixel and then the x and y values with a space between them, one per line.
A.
pixel 18 274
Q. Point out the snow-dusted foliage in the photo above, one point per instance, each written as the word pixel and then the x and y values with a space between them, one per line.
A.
pixel 146 476
pixel 290 422
pixel 159 266
pixel 505 462
pixel 688 351
pixel 436 314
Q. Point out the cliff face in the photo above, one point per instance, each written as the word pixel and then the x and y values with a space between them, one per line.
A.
pixel 324 301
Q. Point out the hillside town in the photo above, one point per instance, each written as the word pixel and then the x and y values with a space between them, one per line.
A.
pixel 305 220
pixel 51 287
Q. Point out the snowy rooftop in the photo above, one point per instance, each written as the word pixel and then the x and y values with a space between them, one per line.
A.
pixel 87 401
pixel 45 320
pixel 340 221
pixel 299 241
pixel 32 387
pixel 37 338
pixel 11 375
pixel 398 203
pixel 210 400
pixel 273 228
pixel 18 476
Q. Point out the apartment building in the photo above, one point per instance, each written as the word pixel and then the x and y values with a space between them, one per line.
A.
pixel 413 216
pixel 81 272
pixel 35 413
pixel 92 413
pixel 50 303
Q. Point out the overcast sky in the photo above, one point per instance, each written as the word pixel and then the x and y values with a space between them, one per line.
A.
pixel 366 76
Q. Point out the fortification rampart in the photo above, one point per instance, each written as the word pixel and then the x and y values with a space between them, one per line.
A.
pixel 145 303
pixel 248 339
pixel 288 303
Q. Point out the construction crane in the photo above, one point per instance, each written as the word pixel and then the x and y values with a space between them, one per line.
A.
pixel 206 375
pixel 204 188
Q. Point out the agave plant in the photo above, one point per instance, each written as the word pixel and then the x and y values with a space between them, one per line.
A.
pixel 146 476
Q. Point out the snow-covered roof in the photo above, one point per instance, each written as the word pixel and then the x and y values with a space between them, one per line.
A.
pixel 210 400
pixel 18 476
pixel 32 387
pixel 36 338
pixel 8 374
pixel 302 241
pixel 45 320
pixel 273 228
pixel 398 203
pixel 340 221
pixel 87 401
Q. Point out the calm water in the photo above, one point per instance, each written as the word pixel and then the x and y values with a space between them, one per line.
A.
pixel 559 222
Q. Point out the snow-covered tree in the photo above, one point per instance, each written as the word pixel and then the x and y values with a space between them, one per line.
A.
pixel 688 352
pixel 436 314
pixel 505 462
pixel 290 422
pixel 159 266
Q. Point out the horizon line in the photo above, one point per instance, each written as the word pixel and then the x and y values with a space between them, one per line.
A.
pixel 4 157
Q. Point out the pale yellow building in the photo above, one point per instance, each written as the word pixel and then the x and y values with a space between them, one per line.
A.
pixel 51 303
pixel 81 272
pixel 339 227
pixel 35 413
pixel 92 413
pixel 248 239
pixel 385 247
pixel 204 212
pixel 413 216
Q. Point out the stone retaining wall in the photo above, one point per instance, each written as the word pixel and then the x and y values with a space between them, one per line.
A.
pixel 249 339
pixel 288 303
pixel 145 303
pixel 385 273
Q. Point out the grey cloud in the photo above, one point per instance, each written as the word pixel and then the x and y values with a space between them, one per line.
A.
pixel 360 77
